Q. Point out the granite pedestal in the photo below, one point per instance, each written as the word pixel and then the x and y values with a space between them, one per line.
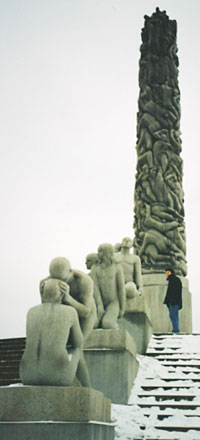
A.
pixel 154 290
pixel 136 321
pixel 44 412
pixel 111 359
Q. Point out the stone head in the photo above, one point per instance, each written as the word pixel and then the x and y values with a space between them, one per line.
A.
pixel 105 252
pixel 91 259
pixel 117 247
pixel 51 291
pixel 127 242
pixel 60 268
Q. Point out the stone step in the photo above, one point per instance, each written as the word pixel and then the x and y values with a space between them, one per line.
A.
pixel 179 358
pixel 181 364
pixel 174 392
pixel 11 351
pixel 148 386
pixel 165 405
pixel 166 414
pixel 172 354
pixel 175 396
pixel 175 428
pixel 194 377
pixel 8 381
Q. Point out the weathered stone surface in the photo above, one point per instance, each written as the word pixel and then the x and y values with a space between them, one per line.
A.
pixel 159 211
pixel 76 290
pixel 112 363
pixel 118 339
pixel 109 291
pixel 56 431
pixel 137 305
pixel 154 290
pixel 31 403
pixel 131 266
pixel 136 321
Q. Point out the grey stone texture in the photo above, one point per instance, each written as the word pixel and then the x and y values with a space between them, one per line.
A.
pixel 39 403
pixel 109 291
pixel 131 266
pixel 49 328
pixel 56 431
pixel 77 291
pixel 136 321
pixel 154 290
pixel 159 211
pixel 111 359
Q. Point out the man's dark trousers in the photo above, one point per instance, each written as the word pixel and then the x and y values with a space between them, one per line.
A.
pixel 173 314
pixel 173 300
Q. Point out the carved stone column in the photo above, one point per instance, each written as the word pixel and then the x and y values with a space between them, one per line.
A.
pixel 159 198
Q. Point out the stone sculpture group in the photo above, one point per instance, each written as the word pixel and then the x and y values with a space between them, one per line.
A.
pixel 159 211
pixel 72 305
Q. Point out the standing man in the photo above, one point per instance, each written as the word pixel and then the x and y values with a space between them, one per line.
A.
pixel 173 298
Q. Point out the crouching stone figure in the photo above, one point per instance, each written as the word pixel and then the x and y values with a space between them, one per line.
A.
pixel 53 354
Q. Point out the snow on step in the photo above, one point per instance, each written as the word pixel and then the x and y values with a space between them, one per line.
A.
pixel 165 399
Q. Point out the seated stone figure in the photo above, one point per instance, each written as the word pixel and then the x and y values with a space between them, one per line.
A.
pixel 53 354
pixel 109 289
pixel 91 259
pixel 131 266
pixel 77 290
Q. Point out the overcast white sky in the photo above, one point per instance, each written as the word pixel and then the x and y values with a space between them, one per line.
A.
pixel 68 103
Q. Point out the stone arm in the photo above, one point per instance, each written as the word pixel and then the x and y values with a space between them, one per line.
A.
pixel 138 274
pixel 83 307
pixel 41 287
pixel 76 335
pixel 121 290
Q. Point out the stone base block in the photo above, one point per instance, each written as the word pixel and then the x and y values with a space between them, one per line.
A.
pixel 112 363
pixel 154 290
pixel 56 431
pixel 136 321
pixel 34 403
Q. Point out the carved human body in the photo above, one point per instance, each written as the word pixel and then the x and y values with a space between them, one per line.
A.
pixel 131 268
pixel 159 165
pixel 91 259
pixel 78 292
pixel 82 299
pixel 109 289
pixel 51 327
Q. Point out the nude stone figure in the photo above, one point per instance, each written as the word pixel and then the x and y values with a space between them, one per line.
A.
pixel 91 259
pixel 109 288
pixel 131 266
pixel 53 354
pixel 78 292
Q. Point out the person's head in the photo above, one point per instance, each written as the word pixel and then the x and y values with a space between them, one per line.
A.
pixel 91 259
pixel 51 291
pixel 60 268
pixel 169 271
pixel 105 252
pixel 127 242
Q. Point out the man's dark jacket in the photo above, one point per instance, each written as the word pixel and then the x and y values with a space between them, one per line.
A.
pixel 174 291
